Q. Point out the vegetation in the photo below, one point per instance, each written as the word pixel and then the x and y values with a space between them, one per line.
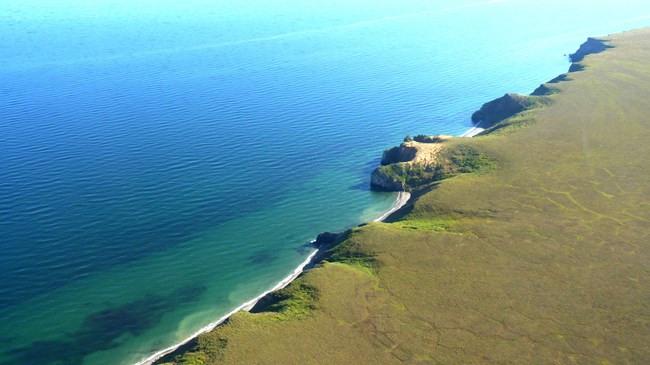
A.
pixel 507 106
pixel 429 139
pixel 457 158
pixel 542 260
pixel 293 302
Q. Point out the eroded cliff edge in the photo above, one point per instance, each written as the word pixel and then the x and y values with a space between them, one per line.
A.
pixel 532 261
pixel 426 159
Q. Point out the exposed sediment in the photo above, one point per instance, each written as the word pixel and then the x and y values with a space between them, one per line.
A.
pixel 418 164
pixel 398 161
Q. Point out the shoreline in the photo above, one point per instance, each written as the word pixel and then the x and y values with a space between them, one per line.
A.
pixel 473 131
pixel 246 306
pixel 402 199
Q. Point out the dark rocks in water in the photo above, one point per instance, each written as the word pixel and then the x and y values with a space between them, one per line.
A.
pixel 326 238
pixel 305 249
pixel 500 109
pixel 101 330
pixel 263 257
pixel 591 46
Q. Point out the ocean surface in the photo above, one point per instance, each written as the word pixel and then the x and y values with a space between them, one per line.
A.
pixel 162 162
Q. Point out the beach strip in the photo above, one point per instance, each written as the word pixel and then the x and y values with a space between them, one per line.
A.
pixel 401 200
pixel 476 129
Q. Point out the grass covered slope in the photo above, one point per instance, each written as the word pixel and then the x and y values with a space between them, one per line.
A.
pixel 545 259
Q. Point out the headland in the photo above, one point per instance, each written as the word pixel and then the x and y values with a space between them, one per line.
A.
pixel 527 244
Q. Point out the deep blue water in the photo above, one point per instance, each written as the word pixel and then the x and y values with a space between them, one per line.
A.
pixel 163 161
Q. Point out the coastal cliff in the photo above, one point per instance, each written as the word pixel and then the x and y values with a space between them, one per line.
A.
pixel 544 259
pixel 510 109
pixel 424 160
pixel 591 46
pixel 500 109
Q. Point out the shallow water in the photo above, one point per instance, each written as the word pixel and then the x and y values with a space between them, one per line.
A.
pixel 163 162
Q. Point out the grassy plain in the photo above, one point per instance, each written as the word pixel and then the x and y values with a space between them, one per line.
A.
pixel 543 260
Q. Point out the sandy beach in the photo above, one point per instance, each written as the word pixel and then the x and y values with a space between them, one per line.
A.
pixel 400 201
pixel 476 129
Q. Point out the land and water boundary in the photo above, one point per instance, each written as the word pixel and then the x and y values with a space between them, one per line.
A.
pixel 527 244
pixel 310 261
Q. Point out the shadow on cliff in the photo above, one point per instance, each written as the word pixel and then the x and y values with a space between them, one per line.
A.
pixel 591 46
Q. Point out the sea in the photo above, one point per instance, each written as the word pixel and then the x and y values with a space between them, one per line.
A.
pixel 164 161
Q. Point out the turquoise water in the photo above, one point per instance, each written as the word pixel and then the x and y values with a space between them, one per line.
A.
pixel 164 161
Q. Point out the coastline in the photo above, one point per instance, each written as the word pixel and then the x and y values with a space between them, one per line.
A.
pixel 473 131
pixel 245 307
pixel 402 199
pixel 462 295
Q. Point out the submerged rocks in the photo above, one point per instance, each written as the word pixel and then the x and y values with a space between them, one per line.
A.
pixel 326 238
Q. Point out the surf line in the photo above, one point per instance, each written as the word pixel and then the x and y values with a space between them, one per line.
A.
pixel 401 200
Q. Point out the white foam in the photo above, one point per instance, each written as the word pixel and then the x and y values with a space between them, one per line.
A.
pixel 473 131
pixel 246 307
pixel 401 200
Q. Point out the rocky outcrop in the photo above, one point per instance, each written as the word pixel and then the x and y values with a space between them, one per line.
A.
pixel 500 109
pixel 431 139
pixel 404 153
pixel 549 88
pixel 591 46
pixel 400 165
pixel 432 162
pixel 383 179
pixel 326 238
